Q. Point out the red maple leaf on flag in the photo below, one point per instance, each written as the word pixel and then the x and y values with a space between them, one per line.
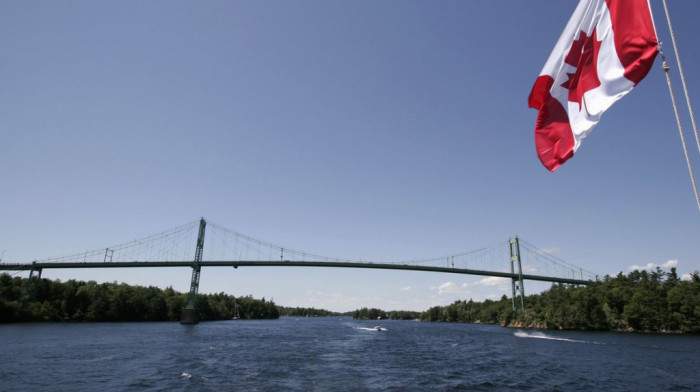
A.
pixel 584 56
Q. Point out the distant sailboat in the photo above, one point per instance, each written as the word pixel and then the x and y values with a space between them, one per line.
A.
pixel 236 316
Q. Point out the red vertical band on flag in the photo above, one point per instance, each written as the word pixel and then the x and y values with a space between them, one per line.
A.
pixel 554 140
pixel 635 38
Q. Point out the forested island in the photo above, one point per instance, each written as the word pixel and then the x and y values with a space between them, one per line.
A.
pixel 641 301
pixel 378 314
pixel 654 301
pixel 52 300
pixel 307 312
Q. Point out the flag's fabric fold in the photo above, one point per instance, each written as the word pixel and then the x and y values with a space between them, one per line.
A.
pixel 607 47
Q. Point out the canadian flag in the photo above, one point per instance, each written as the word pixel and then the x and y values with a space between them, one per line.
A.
pixel 607 47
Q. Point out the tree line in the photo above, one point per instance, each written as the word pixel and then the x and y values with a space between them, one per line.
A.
pixel 655 301
pixel 306 312
pixel 378 314
pixel 24 300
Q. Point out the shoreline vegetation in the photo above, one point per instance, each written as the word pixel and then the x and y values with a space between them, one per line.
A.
pixel 53 300
pixel 641 301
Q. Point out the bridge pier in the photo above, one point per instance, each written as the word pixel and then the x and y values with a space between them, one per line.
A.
pixel 189 314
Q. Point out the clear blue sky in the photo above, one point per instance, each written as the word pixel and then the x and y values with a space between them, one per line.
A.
pixel 357 129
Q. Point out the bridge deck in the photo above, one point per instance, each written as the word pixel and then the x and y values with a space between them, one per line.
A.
pixel 286 263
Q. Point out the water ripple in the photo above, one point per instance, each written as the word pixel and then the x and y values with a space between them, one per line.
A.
pixel 329 354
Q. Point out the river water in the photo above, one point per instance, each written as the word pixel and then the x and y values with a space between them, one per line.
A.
pixel 338 354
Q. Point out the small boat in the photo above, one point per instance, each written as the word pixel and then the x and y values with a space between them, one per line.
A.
pixel 236 316
pixel 378 328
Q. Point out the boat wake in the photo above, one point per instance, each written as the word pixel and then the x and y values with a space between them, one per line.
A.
pixel 542 335
pixel 373 329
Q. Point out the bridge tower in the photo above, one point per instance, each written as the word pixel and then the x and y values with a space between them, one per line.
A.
pixel 518 288
pixel 33 284
pixel 189 313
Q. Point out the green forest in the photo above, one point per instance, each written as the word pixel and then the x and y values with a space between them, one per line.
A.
pixel 377 314
pixel 306 312
pixel 642 301
pixel 47 300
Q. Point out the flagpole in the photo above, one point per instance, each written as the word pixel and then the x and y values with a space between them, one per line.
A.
pixel 666 68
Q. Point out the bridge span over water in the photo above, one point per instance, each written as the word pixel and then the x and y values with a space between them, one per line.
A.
pixel 227 248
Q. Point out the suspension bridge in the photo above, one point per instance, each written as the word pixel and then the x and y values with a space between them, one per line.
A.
pixel 217 246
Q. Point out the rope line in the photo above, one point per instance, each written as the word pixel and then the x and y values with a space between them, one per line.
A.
pixel 666 68
pixel 682 75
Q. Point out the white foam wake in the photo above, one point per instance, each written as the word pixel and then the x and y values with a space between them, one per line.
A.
pixel 373 329
pixel 542 335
